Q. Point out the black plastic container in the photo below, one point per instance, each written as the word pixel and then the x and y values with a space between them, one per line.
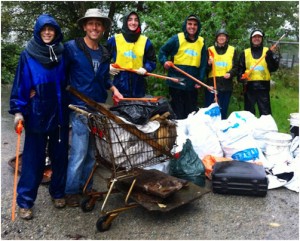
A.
pixel 239 178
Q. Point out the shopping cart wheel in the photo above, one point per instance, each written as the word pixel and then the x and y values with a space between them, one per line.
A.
pixel 102 224
pixel 87 204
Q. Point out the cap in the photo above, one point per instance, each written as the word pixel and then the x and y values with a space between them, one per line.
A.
pixel 192 17
pixel 95 13
pixel 257 33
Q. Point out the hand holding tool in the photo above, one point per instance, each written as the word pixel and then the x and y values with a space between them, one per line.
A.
pixel 113 71
pixel 18 117
pixel 141 71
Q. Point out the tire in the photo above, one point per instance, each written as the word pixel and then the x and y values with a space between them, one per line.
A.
pixel 85 206
pixel 100 225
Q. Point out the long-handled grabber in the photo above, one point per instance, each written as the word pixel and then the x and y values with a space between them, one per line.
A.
pixel 210 88
pixel 19 132
pixel 246 75
pixel 212 56
pixel 176 80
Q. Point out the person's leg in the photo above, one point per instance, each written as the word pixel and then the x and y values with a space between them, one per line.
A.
pixel 177 102
pixel 264 102
pixel 78 152
pixel 58 152
pixel 33 163
pixel 250 101
pixel 88 165
pixel 223 101
pixel 209 98
pixel 190 102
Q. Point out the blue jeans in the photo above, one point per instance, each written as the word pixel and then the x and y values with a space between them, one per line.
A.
pixel 82 155
pixel 223 101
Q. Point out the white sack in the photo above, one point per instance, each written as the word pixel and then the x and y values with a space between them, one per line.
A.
pixel 201 131
pixel 237 142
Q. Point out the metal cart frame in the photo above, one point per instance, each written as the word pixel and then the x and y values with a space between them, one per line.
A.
pixel 126 151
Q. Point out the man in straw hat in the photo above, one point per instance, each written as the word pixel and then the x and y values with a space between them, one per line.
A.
pixel 87 65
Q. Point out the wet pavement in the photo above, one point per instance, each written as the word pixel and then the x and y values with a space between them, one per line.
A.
pixel 211 217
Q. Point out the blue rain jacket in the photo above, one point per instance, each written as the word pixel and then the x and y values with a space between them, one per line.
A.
pixel 81 75
pixel 47 109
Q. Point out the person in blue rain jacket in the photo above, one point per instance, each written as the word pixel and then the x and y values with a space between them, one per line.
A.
pixel 39 100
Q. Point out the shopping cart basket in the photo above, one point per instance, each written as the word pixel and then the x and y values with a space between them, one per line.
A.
pixel 126 151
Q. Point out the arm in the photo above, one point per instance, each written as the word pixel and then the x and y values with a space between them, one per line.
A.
pixel 111 46
pixel 203 63
pixel 235 62
pixel 272 60
pixel 149 57
pixel 169 49
pixel 20 93
pixel 241 67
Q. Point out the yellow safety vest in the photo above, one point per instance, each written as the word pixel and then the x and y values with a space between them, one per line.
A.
pixel 223 63
pixel 188 53
pixel 130 55
pixel 261 71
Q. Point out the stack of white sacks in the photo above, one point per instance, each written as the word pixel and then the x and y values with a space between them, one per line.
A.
pixel 243 137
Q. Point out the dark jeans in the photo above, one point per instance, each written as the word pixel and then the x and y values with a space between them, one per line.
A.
pixel 183 102
pixel 223 101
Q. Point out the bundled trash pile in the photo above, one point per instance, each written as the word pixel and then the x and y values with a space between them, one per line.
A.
pixel 245 138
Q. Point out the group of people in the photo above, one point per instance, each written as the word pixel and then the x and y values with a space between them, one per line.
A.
pixel 39 98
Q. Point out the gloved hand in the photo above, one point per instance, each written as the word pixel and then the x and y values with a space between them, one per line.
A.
pixel 18 117
pixel 113 71
pixel 141 71
pixel 167 65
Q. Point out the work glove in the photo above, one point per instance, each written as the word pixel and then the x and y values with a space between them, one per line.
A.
pixel 167 65
pixel 18 117
pixel 113 71
pixel 141 71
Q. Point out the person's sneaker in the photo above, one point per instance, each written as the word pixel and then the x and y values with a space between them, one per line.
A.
pixel 59 202
pixel 25 213
pixel 73 200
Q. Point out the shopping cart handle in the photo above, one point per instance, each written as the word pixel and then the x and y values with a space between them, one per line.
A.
pixel 79 110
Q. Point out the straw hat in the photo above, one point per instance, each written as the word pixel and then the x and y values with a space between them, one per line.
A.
pixel 95 13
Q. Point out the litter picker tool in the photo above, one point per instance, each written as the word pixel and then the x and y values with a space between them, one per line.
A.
pixel 247 74
pixel 176 80
pixel 212 56
pixel 19 132
pixel 210 88
pixel 144 99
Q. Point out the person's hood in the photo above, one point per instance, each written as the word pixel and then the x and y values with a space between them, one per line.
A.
pixel 254 32
pixel 129 35
pixel 46 19
pixel 192 16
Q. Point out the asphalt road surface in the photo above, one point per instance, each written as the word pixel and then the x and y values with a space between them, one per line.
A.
pixel 211 217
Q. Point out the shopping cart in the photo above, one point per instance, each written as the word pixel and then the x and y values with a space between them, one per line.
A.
pixel 127 152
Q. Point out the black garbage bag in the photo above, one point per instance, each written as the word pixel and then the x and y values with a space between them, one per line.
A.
pixel 188 166
pixel 140 112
